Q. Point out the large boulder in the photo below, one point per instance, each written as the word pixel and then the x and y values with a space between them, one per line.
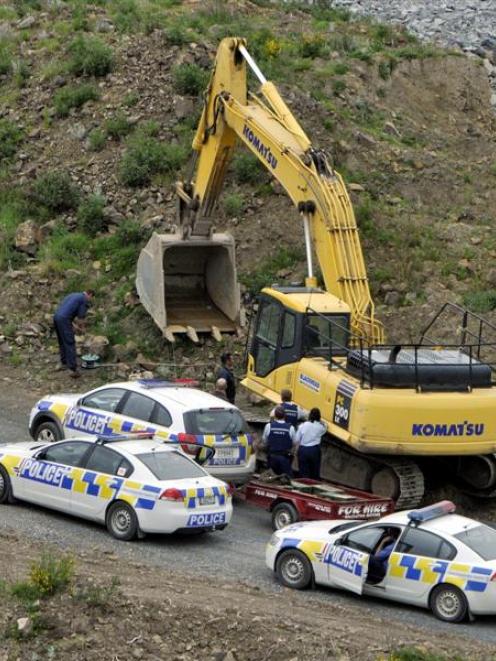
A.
pixel 27 237
pixel 96 344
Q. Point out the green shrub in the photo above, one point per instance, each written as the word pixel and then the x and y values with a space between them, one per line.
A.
pixel 312 46
pixel 131 99
pixel 190 79
pixel 177 36
pixel 234 204
pixel 266 272
pixel 5 60
pixel 247 168
pixel 480 301
pixel 96 140
pixel 23 7
pixel 90 214
pixel 338 86
pixel 20 72
pixel 56 191
pixel 127 16
pixel 146 157
pixel 90 56
pixel 51 574
pixel 10 137
pixel 98 596
pixel 12 213
pixel 73 97
pixel 118 126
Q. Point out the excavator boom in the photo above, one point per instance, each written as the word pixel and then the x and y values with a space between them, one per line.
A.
pixel 267 127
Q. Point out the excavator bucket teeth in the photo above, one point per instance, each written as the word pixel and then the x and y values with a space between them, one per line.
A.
pixel 189 285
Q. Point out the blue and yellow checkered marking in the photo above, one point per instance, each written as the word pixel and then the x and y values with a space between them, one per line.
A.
pixel 432 571
pixel 99 485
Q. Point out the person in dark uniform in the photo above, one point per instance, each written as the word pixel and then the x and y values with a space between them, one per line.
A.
pixel 279 437
pixel 292 412
pixel 72 306
pixel 226 372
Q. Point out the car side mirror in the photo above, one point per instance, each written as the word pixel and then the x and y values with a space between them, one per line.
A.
pixel 41 454
pixel 339 541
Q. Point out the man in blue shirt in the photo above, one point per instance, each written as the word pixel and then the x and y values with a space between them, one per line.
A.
pixel 378 562
pixel 72 306
pixel 226 372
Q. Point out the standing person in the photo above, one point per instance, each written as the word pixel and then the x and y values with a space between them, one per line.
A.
pixel 72 306
pixel 292 412
pixel 220 389
pixel 226 372
pixel 279 437
pixel 308 438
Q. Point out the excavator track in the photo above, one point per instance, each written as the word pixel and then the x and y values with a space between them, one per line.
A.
pixel 399 478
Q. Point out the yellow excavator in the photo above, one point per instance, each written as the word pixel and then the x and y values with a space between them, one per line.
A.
pixel 393 412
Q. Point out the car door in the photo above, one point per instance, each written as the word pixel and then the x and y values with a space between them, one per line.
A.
pixel 95 414
pixel 45 478
pixel 348 557
pixel 419 561
pixel 99 483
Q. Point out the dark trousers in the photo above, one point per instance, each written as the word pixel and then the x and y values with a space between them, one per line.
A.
pixel 280 463
pixel 67 342
pixel 309 461
pixel 377 570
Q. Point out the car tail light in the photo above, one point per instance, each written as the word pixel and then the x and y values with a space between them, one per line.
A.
pixel 230 489
pixel 188 443
pixel 172 494
pixel 493 577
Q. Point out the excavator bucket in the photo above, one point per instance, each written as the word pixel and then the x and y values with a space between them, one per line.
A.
pixel 190 286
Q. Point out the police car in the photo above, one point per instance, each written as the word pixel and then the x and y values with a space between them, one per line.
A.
pixel 439 560
pixel 132 485
pixel 170 411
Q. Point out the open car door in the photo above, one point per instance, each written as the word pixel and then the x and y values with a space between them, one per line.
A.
pixel 346 567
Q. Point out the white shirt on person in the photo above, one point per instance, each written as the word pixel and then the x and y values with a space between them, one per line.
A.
pixel 310 433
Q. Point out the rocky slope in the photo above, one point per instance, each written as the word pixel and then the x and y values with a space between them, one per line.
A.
pixel 409 125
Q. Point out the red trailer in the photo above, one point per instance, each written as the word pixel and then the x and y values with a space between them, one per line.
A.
pixel 309 500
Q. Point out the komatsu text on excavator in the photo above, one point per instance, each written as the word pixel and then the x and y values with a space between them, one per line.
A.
pixel 393 412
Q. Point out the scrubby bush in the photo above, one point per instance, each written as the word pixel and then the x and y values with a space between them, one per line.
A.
pixel 73 97
pixel 90 56
pixel 96 140
pixel 247 169
pixel 147 156
pixel 10 137
pixel 56 191
pixel 90 214
pixel 480 301
pixel 5 60
pixel 312 45
pixel 190 79
pixel 118 126
pixel 234 204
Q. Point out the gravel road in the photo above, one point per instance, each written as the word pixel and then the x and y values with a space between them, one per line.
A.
pixel 236 554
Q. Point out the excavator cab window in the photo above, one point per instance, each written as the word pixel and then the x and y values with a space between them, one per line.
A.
pixel 326 335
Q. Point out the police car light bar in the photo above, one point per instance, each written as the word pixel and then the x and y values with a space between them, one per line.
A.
pixel 162 383
pixel 131 436
pixel 431 512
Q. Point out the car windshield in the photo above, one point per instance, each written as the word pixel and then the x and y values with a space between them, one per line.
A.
pixel 481 539
pixel 214 421
pixel 170 465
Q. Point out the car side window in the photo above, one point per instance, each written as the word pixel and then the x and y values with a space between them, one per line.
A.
pixel 364 539
pixel 104 460
pixel 69 454
pixel 107 399
pixel 427 544
pixel 138 406
pixel 161 416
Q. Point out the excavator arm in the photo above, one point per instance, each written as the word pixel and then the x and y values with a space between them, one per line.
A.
pixel 267 127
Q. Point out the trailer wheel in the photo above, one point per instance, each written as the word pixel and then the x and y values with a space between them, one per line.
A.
pixel 283 514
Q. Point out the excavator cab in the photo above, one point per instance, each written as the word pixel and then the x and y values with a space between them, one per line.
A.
pixel 297 322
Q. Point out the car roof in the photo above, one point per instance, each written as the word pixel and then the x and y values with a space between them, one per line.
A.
pixel 448 524
pixel 189 398
pixel 139 446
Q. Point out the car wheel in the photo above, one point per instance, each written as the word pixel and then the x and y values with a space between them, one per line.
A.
pixel 283 514
pixel 121 521
pixel 294 570
pixel 5 486
pixel 47 432
pixel 448 603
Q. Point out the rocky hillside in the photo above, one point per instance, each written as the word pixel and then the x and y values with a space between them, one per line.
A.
pixel 98 103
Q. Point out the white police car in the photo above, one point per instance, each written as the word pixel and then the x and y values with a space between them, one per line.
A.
pixel 152 405
pixel 132 485
pixel 439 560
